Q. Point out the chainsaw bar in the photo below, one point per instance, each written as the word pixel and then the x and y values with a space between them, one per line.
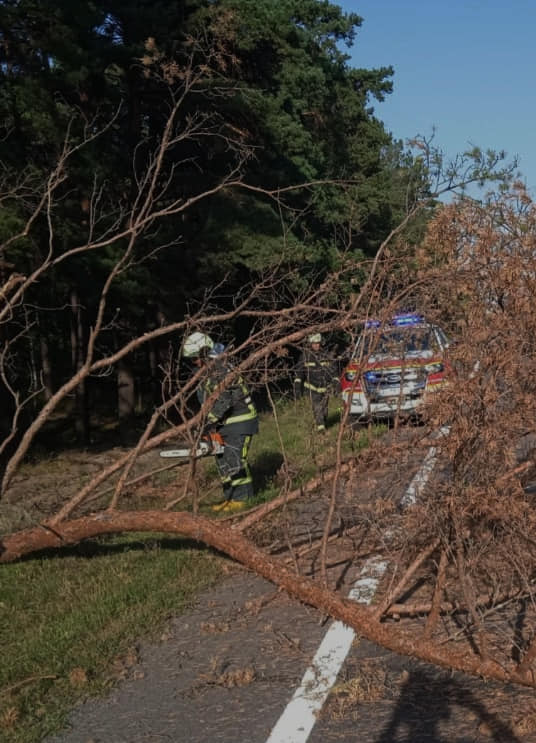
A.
pixel 179 453
pixel 202 450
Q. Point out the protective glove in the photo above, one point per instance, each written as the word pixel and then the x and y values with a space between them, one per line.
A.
pixel 206 436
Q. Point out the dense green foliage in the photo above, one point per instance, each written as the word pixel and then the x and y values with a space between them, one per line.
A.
pixel 278 79
pixel 263 95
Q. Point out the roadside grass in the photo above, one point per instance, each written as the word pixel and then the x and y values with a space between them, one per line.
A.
pixel 67 618
pixel 288 451
pixel 70 619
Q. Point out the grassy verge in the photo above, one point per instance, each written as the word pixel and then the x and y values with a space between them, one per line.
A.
pixel 288 436
pixel 69 620
pixel 288 450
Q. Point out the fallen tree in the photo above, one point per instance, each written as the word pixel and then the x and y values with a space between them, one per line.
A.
pixel 226 539
pixel 474 274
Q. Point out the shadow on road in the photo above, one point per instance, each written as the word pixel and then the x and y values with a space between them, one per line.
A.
pixel 426 705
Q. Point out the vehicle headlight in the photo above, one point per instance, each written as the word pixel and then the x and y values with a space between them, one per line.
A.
pixel 434 368
pixel 350 376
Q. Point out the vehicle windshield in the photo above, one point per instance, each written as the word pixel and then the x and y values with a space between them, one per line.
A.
pixel 396 342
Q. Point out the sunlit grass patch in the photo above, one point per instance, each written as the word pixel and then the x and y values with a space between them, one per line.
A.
pixel 66 619
pixel 288 451
pixel 69 620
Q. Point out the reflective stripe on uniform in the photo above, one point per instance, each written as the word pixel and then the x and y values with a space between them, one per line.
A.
pixel 245 448
pixel 310 386
pixel 252 411
pixel 242 481
pixel 246 478
pixel 249 416
pixel 241 418
pixel 210 386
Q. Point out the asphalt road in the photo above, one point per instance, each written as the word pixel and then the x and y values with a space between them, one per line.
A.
pixel 227 671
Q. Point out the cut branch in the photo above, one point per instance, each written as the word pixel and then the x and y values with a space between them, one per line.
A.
pixel 438 593
pixel 229 542
pixel 402 583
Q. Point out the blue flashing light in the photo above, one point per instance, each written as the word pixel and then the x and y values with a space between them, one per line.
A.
pixel 407 319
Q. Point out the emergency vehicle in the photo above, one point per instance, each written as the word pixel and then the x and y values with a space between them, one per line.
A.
pixel 394 366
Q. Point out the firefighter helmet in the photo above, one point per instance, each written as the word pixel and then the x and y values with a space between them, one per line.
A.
pixel 195 344
pixel 315 338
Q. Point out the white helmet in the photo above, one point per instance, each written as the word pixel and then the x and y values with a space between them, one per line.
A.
pixel 195 343
pixel 315 338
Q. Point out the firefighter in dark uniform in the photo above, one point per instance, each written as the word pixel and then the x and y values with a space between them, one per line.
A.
pixel 233 415
pixel 316 373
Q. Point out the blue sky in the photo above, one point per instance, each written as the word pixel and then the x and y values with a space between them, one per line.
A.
pixel 467 67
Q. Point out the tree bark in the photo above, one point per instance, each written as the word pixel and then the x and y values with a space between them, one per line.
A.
pixel 126 403
pixel 230 542
pixel 82 426
pixel 46 366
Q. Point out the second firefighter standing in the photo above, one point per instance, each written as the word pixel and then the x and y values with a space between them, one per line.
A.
pixel 316 374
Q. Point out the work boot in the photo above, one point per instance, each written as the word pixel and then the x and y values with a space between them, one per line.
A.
pixel 220 506
pixel 234 505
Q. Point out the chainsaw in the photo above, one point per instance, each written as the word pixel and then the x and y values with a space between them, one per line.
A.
pixel 204 447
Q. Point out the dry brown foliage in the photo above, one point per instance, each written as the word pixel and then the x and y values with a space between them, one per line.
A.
pixel 462 558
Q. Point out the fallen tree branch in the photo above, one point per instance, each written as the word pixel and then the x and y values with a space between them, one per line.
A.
pixel 257 514
pixel 397 590
pixel 317 543
pixel 435 609
pixel 229 542
pixel 136 480
pixel 449 607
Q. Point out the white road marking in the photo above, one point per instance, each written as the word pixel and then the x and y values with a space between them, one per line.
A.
pixel 299 717
pixel 420 479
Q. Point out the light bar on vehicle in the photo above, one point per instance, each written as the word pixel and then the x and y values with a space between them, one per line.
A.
pixel 397 320
pixel 407 319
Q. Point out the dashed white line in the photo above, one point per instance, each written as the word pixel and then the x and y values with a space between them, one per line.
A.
pixel 299 717
pixel 420 479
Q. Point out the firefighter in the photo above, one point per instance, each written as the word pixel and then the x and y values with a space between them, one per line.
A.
pixel 315 374
pixel 233 415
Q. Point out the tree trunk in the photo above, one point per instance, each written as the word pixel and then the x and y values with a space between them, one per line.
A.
pixel 81 421
pixel 232 543
pixel 126 403
pixel 46 367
